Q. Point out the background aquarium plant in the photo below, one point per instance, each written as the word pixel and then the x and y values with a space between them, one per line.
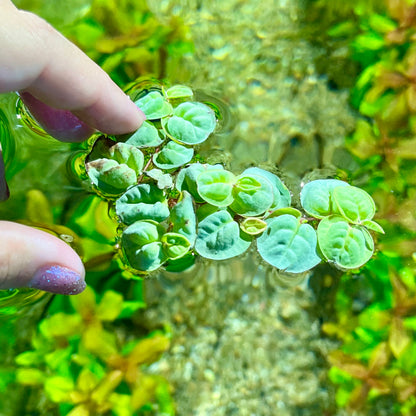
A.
pixel 184 224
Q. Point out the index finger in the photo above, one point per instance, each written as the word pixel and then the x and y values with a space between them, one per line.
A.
pixel 37 59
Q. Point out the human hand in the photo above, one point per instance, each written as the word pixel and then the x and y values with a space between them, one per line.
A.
pixel 70 96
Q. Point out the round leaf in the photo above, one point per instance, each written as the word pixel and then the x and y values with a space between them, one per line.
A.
pixel 316 197
pixel 289 244
pixel 179 91
pixel 191 123
pixel 281 195
pixel 253 195
pixel 253 226
pixel 128 155
pixel 354 204
pixel 219 237
pixel 154 106
pixel 347 246
pixel 186 179
pixel 216 186
pixel 147 259
pixel 113 175
pixel 175 245
pixel 142 202
pixel 172 156
pixel 142 247
pixel 110 177
pixel 183 219
pixel 146 136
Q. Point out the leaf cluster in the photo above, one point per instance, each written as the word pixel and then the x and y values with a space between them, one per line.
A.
pixel 172 208
pixel 85 362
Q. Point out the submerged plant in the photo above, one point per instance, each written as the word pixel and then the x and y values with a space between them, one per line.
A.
pixel 172 207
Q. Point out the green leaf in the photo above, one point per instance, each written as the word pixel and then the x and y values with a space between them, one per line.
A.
pixel 353 203
pixel 110 306
pixel 142 202
pixel 219 237
pixel 316 198
pixel 289 244
pixel 146 136
pixel 372 225
pixel 281 211
pixel 128 155
pixel 191 123
pixel 175 245
pixel 347 246
pixel 186 179
pixel 179 91
pixel 30 376
pixel 115 174
pixel 182 264
pixel 281 195
pixel 216 186
pixel 163 180
pixel 172 156
pixel 130 307
pixel 58 388
pixel 154 106
pixel 182 217
pixel 253 195
pixel 253 226
pixel 110 177
pixel 141 245
pixel 28 358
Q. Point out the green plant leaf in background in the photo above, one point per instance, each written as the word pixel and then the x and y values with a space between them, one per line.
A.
pixel 154 106
pixel 145 201
pixel 172 155
pixel 191 123
pixel 141 244
pixel 253 195
pixel 343 244
pixel 281 195
pixel 216 187
pixel 219 237
pixel 354 204
pixel 289 244
pixel 316 198
pixel 146 136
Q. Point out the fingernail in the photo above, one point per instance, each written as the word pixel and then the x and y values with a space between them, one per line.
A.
pixel 58 279
pixel 60 124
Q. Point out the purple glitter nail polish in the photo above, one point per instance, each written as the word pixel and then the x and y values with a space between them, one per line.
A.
pixel 58 279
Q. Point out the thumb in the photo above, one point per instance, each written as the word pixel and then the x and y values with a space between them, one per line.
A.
pixel 34 258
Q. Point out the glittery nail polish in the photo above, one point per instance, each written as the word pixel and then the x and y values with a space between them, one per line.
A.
pixel 58 279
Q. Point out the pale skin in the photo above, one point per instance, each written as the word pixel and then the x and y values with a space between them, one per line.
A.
pixel 36 59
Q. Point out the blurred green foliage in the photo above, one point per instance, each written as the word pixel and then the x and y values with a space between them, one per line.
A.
pixel 128 41
pixel 375 310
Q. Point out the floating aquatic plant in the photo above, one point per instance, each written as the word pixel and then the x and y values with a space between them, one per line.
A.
pixel 172 207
